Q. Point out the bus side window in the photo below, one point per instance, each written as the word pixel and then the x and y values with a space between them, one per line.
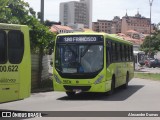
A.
pixel 128 53
pixel 121 53
pixel 3 47
pixel 124 49
pixel 131 54
pixel 108 52
pixel 113 52
pixel 118 52
pixel 15 46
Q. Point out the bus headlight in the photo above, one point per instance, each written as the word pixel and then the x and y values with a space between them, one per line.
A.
pixel 57 79
pixel 99 79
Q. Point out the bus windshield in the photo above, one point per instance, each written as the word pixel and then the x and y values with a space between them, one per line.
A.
pixel 79 58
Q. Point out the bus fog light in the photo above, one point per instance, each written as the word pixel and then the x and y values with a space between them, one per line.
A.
pixel 57 79
pixel 99 79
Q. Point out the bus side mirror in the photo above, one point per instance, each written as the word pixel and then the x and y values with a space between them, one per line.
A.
pixel 50 47
pixel 50 51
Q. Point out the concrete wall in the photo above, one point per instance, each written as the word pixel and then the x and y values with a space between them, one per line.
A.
pixel 35 69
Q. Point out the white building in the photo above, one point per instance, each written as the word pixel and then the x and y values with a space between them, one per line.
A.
pixel 75 12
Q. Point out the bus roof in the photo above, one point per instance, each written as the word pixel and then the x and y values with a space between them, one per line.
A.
pixel 11 26
pixel 110 36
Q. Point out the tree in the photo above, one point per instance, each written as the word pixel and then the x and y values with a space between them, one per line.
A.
pixel 152 44
pixel 19 12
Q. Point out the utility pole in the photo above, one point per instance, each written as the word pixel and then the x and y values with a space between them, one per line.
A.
pixel 150 3
pixel 42 11
pixel 41 47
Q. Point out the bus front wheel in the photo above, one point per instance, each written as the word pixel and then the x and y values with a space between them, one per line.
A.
pixel 112 86
pixel 70 94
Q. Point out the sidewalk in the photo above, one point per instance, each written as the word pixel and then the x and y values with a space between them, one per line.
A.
pixel 38 90
pixel 148 70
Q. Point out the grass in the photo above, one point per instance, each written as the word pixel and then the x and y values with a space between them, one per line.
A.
pixel 151 76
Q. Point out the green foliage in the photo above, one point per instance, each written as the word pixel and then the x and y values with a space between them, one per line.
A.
pixel 19 12
pixel 152 43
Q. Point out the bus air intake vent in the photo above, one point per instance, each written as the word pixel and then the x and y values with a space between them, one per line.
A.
pixel 71 88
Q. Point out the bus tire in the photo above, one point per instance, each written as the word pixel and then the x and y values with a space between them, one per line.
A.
pixel 70 94
pixel 112 85
pixel 127 80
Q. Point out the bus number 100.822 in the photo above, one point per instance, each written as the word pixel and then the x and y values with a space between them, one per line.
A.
pixel 10 68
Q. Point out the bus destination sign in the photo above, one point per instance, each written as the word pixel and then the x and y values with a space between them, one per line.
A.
pixel 80 39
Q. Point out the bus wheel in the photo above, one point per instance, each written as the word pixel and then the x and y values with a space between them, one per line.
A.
pixel 112 86
pixel 127 80
pixel 70 94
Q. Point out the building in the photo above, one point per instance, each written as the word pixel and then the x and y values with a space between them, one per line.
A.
pixel 60 29
pixel 132 36
pixel 117 25
pixel 102 26
pixel 136 23
pixel 108 26
pixel 76 12
pixel 50 23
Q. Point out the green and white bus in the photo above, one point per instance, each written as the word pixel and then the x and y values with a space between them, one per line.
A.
pixel 91 62
pixel 15 62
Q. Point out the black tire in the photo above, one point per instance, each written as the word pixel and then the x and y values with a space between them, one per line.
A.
pixel 70 94
pixel 127 80
pixel 112 86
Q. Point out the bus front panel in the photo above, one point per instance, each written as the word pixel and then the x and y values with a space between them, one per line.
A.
pixel 79 63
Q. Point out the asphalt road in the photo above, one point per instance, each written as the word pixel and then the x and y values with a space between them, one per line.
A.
pixel 141 95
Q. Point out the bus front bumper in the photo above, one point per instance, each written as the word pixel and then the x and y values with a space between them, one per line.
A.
pixel 101 87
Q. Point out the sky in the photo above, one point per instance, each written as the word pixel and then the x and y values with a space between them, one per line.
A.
pixel 103 9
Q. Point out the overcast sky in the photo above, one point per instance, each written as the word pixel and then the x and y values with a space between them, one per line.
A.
pixel 103 9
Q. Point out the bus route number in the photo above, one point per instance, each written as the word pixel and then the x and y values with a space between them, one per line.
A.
pixel 10 68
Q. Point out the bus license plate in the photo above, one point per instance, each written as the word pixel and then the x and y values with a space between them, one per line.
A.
pixel 77 90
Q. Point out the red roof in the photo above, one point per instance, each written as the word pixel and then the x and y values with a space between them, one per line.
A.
pixel 62 27
pixel 128 38
pixel 53 29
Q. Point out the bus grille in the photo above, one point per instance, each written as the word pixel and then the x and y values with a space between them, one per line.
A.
pixel 71 88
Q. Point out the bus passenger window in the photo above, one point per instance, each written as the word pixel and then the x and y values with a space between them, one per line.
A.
pixel 15 46
pixel 131 53
pixel 108 51
pixel 3 47
pixel 113 52
pixel 121 53
pixel 125 53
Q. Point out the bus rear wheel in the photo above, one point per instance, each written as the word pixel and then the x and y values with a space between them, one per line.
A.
pixel 127 80
pixel 70 94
